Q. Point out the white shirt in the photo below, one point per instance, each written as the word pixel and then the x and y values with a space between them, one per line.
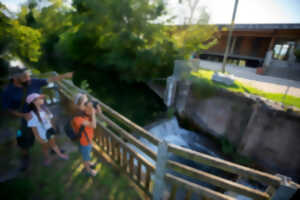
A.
pixel 41 128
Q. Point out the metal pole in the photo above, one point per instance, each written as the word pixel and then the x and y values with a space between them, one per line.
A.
pixel 229 36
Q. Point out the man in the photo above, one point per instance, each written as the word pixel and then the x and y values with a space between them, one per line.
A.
pixel 20 86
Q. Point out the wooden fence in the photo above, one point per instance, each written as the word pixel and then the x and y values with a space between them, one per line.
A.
pixel 119 138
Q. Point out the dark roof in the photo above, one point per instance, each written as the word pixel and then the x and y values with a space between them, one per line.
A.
pixel 261 26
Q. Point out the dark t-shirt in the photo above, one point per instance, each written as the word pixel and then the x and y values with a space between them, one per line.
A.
pixel 12 96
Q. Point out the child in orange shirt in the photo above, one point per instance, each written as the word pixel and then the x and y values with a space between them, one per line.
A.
pixel 87 122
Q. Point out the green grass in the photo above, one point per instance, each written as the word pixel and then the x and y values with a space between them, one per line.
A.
pixel 65 180
pixel 204 83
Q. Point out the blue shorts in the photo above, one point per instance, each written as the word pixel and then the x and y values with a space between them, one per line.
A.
pixel 85 152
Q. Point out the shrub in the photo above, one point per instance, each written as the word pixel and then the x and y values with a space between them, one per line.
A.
pixel 297 54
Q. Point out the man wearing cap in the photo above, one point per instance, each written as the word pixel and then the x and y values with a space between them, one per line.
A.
pixel 20 86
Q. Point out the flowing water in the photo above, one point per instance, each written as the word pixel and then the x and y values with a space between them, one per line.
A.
pixel 170 131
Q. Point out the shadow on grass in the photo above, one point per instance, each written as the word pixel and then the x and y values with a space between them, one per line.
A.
pixel 65 180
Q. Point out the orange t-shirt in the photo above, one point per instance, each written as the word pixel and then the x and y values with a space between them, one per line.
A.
pixel 77 122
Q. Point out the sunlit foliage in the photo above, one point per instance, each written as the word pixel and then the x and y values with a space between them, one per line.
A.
pixel 109 35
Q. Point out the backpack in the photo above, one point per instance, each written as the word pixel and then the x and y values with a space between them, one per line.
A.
pixel 73 135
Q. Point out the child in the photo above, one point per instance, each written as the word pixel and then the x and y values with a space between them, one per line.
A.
pixel 80 101
pixel 87 121
pixel 42 127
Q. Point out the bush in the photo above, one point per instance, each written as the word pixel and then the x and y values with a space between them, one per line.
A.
pixel 297 54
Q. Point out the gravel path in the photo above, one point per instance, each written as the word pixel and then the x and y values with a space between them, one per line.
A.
pixel 248 76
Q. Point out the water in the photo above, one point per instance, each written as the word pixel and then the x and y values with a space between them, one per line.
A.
pixel 170 131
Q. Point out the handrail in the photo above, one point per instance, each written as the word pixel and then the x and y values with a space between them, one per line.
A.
pixel 130 138
pixel 217 181
pixel 225 165
pixel 125 121
pixel 197 188
pixel 145 162
pixel 114 143
pixel 124 133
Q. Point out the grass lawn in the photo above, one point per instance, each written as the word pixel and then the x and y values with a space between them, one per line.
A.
pixel 65 180
pixel 203 80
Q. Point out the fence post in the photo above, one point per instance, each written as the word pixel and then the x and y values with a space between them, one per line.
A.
pixel 170 92
pixel 286 189
pixel 159 177
pixel 182 95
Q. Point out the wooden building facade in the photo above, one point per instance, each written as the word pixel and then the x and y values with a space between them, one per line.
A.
pixel 251 42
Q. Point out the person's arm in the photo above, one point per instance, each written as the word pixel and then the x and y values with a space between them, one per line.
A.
pixel 37 136
pixel 99 110
pixel 60 77
pixel 8 106
pixel 91 124
pixel 26 116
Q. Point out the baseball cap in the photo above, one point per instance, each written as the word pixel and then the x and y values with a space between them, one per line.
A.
pixel 30 98
pixel 17 71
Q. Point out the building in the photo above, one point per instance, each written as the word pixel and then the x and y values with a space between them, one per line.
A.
pixel 251 42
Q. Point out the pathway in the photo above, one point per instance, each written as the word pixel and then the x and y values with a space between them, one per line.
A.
pixel 248 76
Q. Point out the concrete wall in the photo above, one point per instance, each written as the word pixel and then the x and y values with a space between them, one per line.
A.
pixel 273 139
pixel 268 135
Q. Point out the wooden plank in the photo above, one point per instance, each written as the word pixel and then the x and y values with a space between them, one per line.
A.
pixel 125 121
pixel 124 161
pixel 203 191
pixel 173 192
pixel 145 195
pixel 118 153
pixel 105 143
pixel 108 144
pixel 132 154
pixel 139 172
pixel 129 137
pixel 188 195
pixel 218 181
pixel 125 134
pixel 113 149
pixel 148 179
pixel 102 141
pixel 131 166
pixel 130 150
pixel 225 165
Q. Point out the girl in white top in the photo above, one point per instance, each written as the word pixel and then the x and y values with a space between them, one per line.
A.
pixel 42 126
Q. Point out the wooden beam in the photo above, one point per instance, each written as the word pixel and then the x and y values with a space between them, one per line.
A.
pixel 114 114
pixel 218 181
pixel 225 165
pixel 129 137
pixel 128 148
pixel 203 191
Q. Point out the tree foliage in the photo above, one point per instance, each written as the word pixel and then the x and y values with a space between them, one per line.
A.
pixel 17 39
pixel 108 35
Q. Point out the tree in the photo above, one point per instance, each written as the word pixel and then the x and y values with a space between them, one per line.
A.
pixel 194 34
pixel 18 40
pixel 119 36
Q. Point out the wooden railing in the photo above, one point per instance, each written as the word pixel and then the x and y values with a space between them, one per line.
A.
pixel 114 134
pixel 241 171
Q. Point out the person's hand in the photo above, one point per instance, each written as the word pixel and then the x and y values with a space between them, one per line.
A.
pixel 93 111
pixel 68 75
pixel 99 110
pixel 27 116
pixel 85 98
